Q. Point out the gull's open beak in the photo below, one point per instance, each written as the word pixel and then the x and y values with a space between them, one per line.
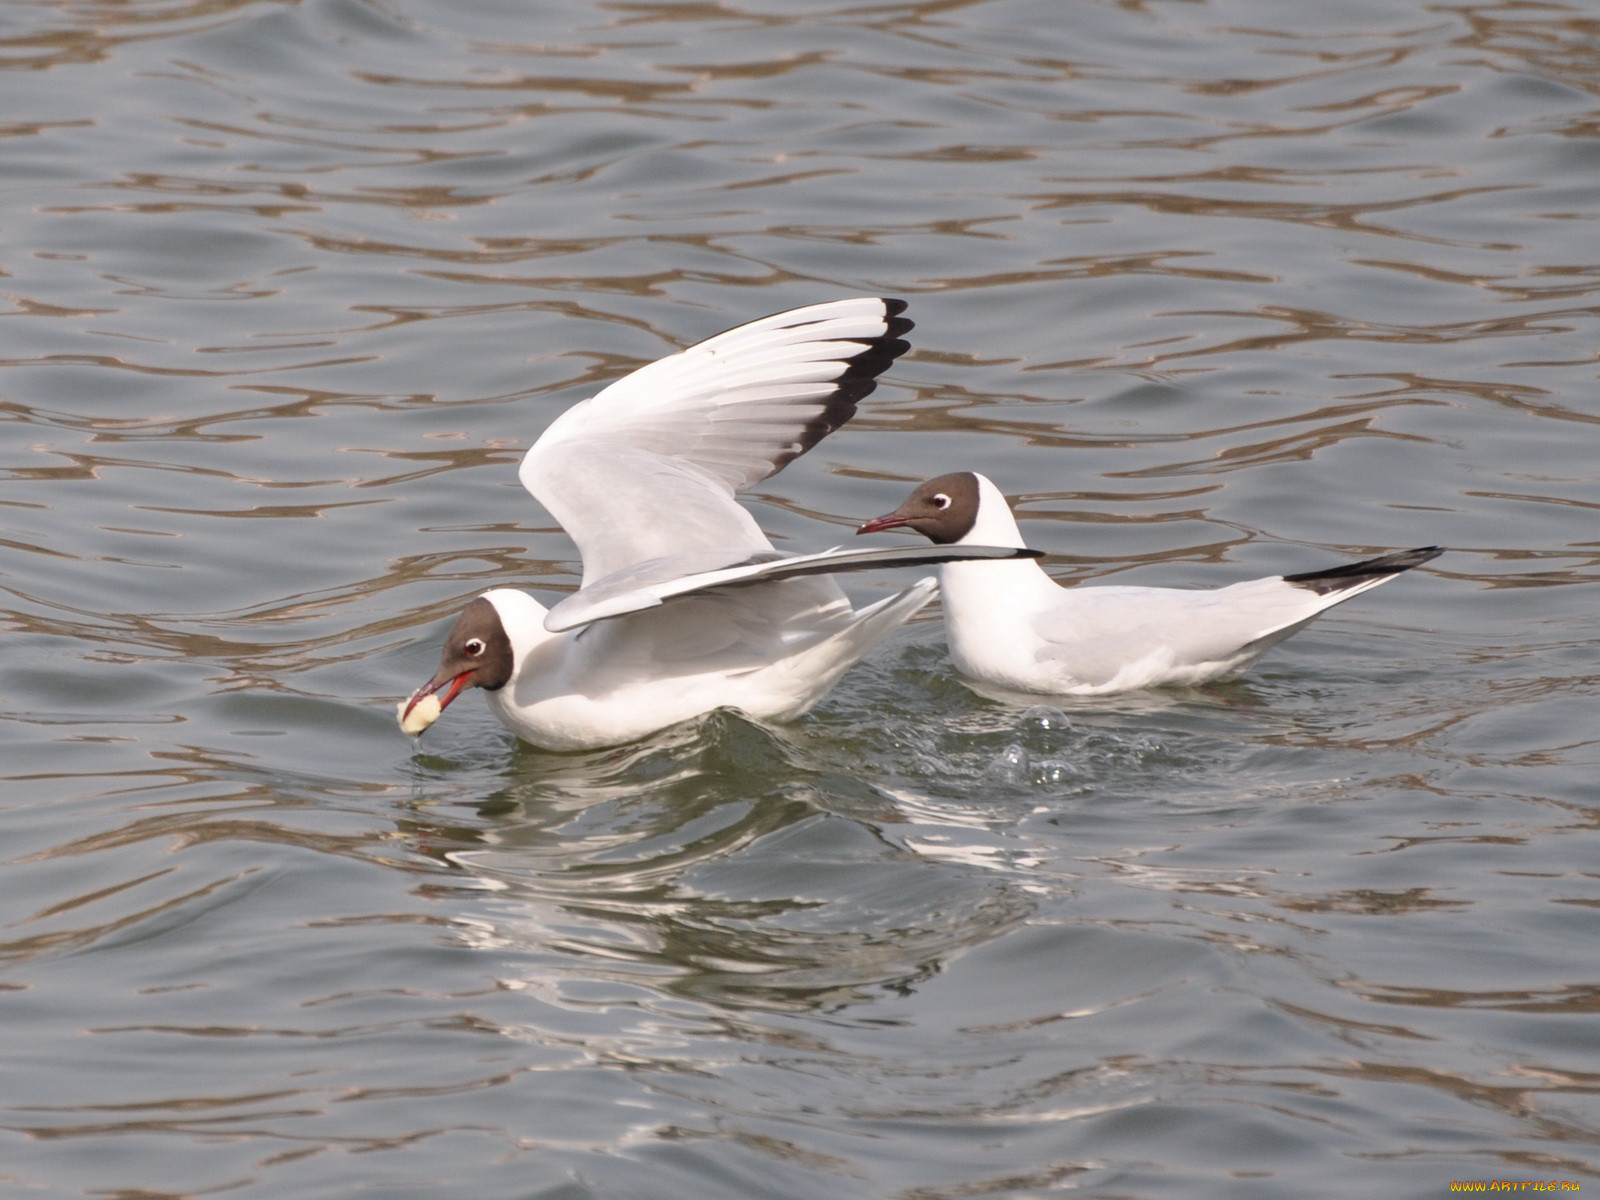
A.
pixel 425 705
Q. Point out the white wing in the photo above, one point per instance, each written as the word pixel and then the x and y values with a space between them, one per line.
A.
pixel 652 583
pixel 648 468
pixel 1096 632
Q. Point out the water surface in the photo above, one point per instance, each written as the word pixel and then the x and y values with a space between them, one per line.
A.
pixel 1213 290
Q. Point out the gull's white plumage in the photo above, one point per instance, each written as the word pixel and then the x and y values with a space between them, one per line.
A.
pixel 680 436
pixel 685 607
pixel 771 653
pixel 1012 626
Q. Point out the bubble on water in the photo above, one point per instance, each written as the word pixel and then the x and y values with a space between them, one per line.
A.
pixel 1055 771
pixel 1012 763
pixel 1044 717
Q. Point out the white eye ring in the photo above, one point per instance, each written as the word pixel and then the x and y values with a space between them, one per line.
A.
pixel 940 500
pixel 474 647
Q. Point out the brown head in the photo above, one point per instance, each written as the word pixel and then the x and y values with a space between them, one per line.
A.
pixel 477 653
pixel 943 510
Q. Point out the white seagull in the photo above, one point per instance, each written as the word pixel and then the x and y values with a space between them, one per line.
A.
pixel 1011 625
pixel 684 605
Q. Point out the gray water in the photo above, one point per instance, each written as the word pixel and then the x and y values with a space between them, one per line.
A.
pixel 1212 289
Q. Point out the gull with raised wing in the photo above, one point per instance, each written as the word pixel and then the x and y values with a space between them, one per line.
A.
pixel 1012 626
pixel 684 605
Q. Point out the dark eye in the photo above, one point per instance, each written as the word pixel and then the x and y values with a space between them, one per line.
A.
pixel 474 647
pixel 940 500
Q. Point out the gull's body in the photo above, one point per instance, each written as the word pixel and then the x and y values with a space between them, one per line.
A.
pixel 770 650
pixel 1012 626
pixel 685 607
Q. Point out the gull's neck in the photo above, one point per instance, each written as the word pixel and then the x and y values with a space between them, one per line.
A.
pixel 522 617
pixel 995 526
pixel 985 600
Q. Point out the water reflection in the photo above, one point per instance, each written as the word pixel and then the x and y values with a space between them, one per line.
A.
pixel 716 863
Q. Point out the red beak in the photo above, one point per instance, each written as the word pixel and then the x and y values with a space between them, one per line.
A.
pixel 456 684
pixel 887 521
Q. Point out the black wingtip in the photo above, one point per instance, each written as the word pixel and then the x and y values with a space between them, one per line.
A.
pixel 898 326
pixel 1338 579
pixel 1005 552
pixel 934 555
pixel 860 377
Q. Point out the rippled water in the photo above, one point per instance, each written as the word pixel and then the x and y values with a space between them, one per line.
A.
pixel 1213 289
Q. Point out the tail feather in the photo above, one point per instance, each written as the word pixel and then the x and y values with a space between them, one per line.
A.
pixel 1362 575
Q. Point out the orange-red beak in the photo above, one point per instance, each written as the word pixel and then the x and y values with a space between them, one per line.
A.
pixel 457 683
pixel 887 521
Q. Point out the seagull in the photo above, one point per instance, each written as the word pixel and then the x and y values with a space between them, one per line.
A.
pixel 685 606
pixel 1011 625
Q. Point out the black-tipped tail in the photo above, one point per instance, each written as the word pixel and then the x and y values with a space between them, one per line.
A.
pixel 1358 574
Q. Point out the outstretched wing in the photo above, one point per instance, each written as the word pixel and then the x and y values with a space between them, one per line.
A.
pixel 648 468
pixel 649 584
